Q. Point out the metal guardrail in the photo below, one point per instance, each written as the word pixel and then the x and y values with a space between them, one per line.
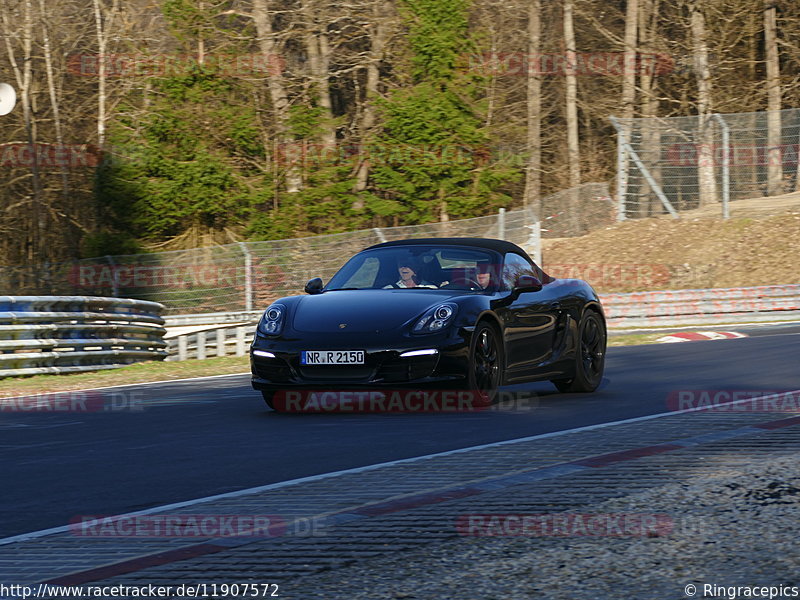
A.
pixel 637 309
pixel 67 334
pixel 703 307
pixel 212 342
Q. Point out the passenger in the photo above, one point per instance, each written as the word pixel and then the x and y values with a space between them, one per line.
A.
pixel 408 276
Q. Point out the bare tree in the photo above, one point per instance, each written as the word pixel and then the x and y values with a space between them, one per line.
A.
pixel 571 81
pixel 319 61
pixel 24 80
pixel 262 19
pixel 378 37
pixel 533 176
pixel 774 154
pixel 705 171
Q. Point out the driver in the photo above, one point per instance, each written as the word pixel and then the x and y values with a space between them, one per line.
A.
pixel 408 269
pixel 484 276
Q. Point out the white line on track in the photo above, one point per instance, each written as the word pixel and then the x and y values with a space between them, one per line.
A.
pixel 282 484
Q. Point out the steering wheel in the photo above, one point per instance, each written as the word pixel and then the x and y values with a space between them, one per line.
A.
pixel 471 283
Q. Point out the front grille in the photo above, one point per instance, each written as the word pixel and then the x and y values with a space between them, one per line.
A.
pixel 336 372
pixel 277 372
pixel 406 369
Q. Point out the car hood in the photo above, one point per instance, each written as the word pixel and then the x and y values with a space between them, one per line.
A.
pixel 362 310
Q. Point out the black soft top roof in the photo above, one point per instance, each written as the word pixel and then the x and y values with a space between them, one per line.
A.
pixel 500 246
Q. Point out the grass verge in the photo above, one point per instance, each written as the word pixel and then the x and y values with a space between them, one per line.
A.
pixel 138 373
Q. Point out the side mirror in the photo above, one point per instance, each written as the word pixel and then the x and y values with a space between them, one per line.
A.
pixel 527 283
pixel 314 286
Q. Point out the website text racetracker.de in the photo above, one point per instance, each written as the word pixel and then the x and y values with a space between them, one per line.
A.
pixel 400 401
pixel 184 590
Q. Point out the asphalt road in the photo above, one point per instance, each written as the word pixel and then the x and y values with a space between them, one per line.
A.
pixel 199 438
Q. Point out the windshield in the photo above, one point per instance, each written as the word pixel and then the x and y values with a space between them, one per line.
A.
pixel 420 267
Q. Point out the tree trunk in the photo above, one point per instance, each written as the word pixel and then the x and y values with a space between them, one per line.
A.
pixel 533 176
pixel 377 45
pixel 774 154
pixel 648 18
pixel 319 60
pixel 24 76
pixel 277 91
pixel 51 88
pixel 707 185
pixel 573 150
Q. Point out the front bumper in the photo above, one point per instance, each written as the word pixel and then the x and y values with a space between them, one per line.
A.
pixel 383 365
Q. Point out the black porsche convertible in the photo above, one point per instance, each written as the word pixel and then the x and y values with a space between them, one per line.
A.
pixel 466 313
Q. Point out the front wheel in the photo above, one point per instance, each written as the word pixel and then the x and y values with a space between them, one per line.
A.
pixel 485 362
pixel 590 356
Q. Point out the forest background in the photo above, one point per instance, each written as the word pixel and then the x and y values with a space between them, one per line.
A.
pixel 146 126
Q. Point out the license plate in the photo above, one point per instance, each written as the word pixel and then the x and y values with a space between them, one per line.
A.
pixel 332 357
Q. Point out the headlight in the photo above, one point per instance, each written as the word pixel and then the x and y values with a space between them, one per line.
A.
pixel 271 322
pixel 435 319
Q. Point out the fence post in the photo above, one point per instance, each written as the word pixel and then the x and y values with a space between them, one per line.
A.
pixel 536 241
pixel 248 277
pixel 643 169
pixel 726 165
pixel 114 276
pixel 622 176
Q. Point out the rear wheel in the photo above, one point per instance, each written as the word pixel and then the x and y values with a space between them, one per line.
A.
pixel 590 356
pixel 485 362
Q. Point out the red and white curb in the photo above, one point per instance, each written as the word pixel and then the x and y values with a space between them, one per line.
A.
pixel 694 336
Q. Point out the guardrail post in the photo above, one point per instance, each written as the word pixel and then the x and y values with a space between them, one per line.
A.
pixel 501 224
pixel 220 342
pixel 240 341
pixel 183 347
pixel 201 345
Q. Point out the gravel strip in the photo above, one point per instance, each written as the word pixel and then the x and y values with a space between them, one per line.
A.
pixel 738 526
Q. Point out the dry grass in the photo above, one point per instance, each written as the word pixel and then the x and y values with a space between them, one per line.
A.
pixel 700 252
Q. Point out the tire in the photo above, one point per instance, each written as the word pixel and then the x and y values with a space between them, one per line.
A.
pixel 590 356
pixel 485 361
pixel 268 398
